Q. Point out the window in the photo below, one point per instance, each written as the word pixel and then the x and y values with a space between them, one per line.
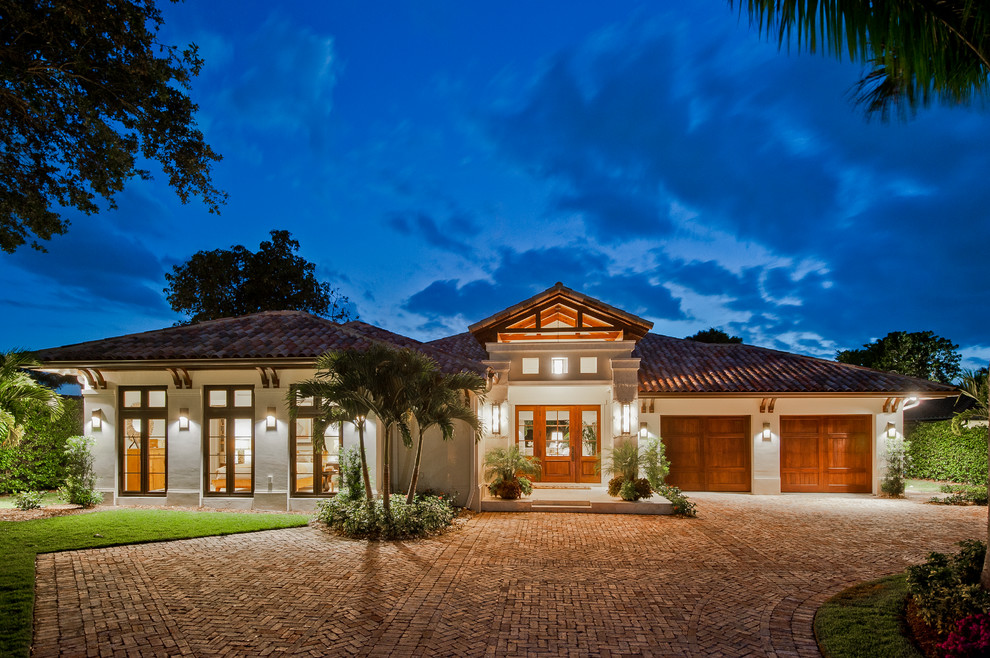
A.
pixel 530 365
pixel 229 446
pixel 589 364
pixel 143 442
pixel 558 365
pixel 313 469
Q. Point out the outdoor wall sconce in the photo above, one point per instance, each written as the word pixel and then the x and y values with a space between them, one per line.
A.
pixel 766 431
pixel 496 418
pixel 183 418
pixel 643 432
pixel 891 431
pixel 97 423
pixel 625 418
pixel 270 424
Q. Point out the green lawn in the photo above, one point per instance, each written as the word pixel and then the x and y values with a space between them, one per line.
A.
pixel 924 486
pixel 866 620
pixel 21 541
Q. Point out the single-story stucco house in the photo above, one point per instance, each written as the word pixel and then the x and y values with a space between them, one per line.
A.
pixel 197 415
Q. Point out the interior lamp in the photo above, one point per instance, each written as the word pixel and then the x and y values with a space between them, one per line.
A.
pixel 183 418
pixel 270 423
pixel 496 418
pixel 766 431
pixel 97 421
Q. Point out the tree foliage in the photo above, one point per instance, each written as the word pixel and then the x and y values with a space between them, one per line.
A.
pixel 85 91
pixel 916 354
pixel 914 51
pixel 714 335
pixel 231 282
pixel 21 397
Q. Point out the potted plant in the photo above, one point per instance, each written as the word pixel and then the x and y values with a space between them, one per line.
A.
pixel 623 466
pixel 507 469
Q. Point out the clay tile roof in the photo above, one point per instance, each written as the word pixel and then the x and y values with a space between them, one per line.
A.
pixel 267 335
pixel 676 365
pixel 464 345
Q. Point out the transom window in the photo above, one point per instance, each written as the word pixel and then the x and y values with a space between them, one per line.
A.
pixel 313 469
pixel 143 441
pixel 229 445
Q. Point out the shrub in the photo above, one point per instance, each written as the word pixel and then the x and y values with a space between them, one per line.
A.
pixel 970 639
pixel 624 460
pixel 37 461
pixel 80 481
pixel 947 588
pixel 507 489
pixel 938 454
pixel 682 506
pixel 656 466
pixel 962 494
pixel 525 484
pixel 897 462
pixel 507 468
pixel 26 500
pixel 351 477
pixel 628 490
pixel 615 484
pixel 427 515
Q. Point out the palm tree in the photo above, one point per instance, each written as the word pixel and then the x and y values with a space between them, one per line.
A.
pixel 21 396
pixel 437 401
pixel 973 385
pixel 916 50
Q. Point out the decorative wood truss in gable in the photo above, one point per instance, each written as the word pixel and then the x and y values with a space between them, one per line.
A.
pixel 560 314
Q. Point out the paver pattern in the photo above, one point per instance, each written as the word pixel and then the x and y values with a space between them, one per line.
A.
pixel 745 579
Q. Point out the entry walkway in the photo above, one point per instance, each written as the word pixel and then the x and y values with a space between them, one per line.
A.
pixel 743 580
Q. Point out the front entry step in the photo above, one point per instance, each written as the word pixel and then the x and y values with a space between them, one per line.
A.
pixel 654 506
pixel 553 505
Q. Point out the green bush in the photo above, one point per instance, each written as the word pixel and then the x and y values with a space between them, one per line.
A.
pixel 428 515
pixel 962 494
pixel 26 500
pixel 37 461
pixel 947 588
pixel 80 480
pixel 937 453
pixel 352 479
pixel 656 466
pixel 896 464
pixel 682 506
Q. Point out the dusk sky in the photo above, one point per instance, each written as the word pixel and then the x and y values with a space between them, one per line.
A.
pixel 440 161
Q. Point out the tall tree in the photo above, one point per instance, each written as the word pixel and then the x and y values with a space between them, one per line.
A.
pixel 714 335
pixel 21 396
pixel 917 50
pixel 85 90
pixel 437 401
pixel 916 354
pixel 230 282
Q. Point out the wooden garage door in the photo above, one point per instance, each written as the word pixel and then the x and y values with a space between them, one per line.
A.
pixel 707 453
pixel 826 454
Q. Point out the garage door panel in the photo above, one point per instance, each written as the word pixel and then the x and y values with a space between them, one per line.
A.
pixel 707 453
pixel 837 458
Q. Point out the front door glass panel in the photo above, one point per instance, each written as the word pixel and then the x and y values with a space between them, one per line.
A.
pixel 558 433
pixel 527 434
pixel 589 433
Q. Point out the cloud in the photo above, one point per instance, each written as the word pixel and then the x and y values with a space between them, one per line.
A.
pixel 425 227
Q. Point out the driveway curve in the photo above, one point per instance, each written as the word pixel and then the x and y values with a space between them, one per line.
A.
pixel 744 579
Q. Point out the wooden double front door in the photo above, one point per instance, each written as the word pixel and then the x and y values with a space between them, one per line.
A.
pixel 566 439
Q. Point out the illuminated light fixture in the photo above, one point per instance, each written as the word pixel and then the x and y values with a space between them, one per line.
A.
pixel 766 431
pixel 891 431
pixel 642 430
pixel 626 418
pixel 183 418
pixel 270 424
pixel 558 365
pixel 97 421
pixel 911 402
pixel 496 418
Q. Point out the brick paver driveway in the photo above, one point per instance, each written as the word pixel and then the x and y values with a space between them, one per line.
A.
pixel 745 579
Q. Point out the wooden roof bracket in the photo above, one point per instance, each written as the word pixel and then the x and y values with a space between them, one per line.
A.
pixel 767 405
pixel 94 378
pixel 180 377
pixel 890 405
pixel 269 377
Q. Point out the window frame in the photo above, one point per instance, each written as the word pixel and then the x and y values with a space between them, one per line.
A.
pixel 230 413
pixel 144 413
pixel 310 411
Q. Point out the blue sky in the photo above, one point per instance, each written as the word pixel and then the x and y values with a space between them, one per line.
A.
pixel 441 161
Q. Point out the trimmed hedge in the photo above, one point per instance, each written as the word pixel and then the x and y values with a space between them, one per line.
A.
pixel 939 454
pixel 38 461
